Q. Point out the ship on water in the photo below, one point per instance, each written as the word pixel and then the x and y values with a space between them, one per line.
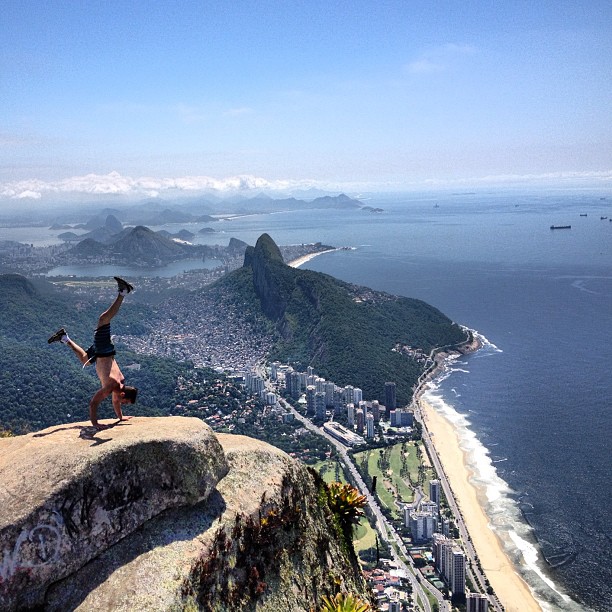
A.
pixel 560 227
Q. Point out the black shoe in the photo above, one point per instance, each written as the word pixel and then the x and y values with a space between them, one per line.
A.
pixel 57 336
pixel 123 284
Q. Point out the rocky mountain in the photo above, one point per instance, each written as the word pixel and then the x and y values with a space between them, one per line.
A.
pixel 349 334
pixel 139 245
pixel 159 514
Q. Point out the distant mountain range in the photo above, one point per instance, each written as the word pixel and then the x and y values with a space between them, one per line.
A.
pixel 198 210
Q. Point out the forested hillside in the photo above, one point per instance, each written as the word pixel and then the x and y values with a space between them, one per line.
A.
pixel 346 332
pixel 44 384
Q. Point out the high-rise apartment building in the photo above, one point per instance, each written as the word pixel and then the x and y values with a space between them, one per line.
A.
pixel 369 426
pixel 310 399
pixel 476 602
pixel 320 405
pixel 376 411
pixel 360 417
pixel 350 415
pixel 456 581
pixel 434 491
pixel 390 399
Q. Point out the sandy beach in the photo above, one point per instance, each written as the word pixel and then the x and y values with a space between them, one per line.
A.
pixel 296 263
pixel 510 588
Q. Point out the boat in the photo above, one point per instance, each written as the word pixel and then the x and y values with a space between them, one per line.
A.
pixel 583 214
pixel 603 218
pixel 560 227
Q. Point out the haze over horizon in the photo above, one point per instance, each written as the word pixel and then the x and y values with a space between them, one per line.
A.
pixel 149 99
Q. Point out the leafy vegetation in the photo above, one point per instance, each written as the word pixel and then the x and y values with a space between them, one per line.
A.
pixel 346 503
pixel 344 602
pixel 349 334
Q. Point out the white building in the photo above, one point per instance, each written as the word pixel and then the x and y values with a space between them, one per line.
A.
pixel 456 581
pixel 422 525
pixel 348 438
pixel 369 426
pixel 350 415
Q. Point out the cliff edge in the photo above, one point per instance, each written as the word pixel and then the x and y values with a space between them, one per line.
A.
pixel 162 514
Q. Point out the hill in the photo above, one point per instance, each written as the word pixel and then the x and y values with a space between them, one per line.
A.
pixel 139 245
pixel 44 384
pixel 347 333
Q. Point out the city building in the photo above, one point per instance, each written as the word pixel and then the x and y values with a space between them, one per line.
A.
pixel 429 507
pixel 369 426
pixel 350 415
pixel 320 405
pixel 376 411
pixel 456 581
pixel 310 399
pixel 476 602
pixel 422 525
pixel 434 491
pixel 330 389
pixel 360 418
pixel 341 433
pixel 292 384
pixel 357 395
pixel 442 547
pixel 390 398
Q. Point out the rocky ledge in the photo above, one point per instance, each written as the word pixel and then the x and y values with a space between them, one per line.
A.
pixel 162 514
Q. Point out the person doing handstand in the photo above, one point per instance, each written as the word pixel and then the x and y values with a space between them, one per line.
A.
pixel 102 352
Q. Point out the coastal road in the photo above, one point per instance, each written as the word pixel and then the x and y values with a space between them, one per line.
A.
pixel 385 529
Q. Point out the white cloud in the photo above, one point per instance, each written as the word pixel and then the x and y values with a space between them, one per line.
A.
pixel 117 184
pixel 29 194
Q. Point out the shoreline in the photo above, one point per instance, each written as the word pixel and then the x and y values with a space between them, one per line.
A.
pixel 510 588
pixel 296 263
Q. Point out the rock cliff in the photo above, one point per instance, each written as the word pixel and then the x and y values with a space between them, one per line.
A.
pixel 162 514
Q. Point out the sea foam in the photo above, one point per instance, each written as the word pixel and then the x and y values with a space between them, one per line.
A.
pixel 498 499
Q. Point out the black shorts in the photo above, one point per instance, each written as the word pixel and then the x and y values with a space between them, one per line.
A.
pixel 102 346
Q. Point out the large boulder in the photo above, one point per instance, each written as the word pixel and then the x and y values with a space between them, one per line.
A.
pixel 265 540
pixel 68 493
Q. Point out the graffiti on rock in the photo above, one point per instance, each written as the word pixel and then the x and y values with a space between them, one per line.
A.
pixel 34 548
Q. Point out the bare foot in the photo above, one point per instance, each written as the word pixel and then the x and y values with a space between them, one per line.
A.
pixel 125 417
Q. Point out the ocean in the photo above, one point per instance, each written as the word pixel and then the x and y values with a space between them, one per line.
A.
pixel 532 407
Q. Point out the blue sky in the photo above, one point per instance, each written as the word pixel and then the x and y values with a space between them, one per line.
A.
pixel 386 94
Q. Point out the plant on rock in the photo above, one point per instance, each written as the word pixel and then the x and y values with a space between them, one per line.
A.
pixel 346 502
pixel 344 602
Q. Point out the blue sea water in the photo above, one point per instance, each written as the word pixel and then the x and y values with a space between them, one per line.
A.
pixel 533 407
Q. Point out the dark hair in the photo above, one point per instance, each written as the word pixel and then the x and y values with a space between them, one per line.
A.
pixel 130 393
